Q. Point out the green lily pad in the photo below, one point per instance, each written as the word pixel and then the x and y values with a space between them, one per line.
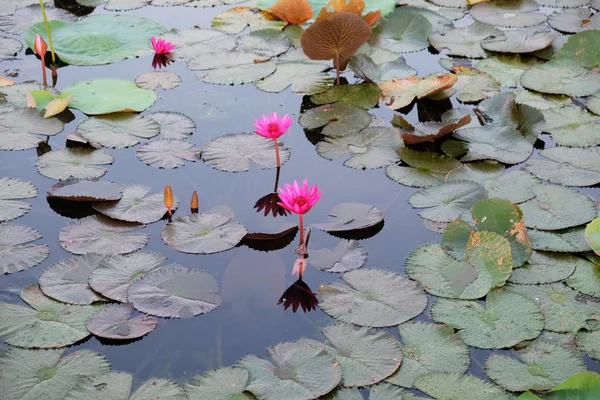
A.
pixel 574 20
pixel 118 130
pixel 102 235
pixel 506 13
pixel 572 126
pixel 542 101
pixel 203 233
pixel 593 104
pixel 351 216
pixel 465 42
pixel 118 37
pixel 85 190
pixel 114 323
pixel 11 191
pixel 448 386
pixel 401 31
pixel 47 374
pixel 562 240
pixel 113 385
pixel 589 343
pixel 374 298
pixel 67 280
pixel 496 142
pixel 115 273
pixel 557 207
pixel 370 148
pixel 346 256
pixel 473 86
pixel 10 48
pixel 234 151
pixel 47 324
pixel 194 41
pixel 155 388
pixel 363 95
pixel 23 129
pixel 299 371
pixel 429 347
pixel 238 18
pixel 343 393
pixel 507 319
pixel 561 77
pixel 18 22
pixel 336 119
pixel 16 254
pixel 592 235
pixel 167 153
pixel 220 384
pixel 365 67
pixel 426 168
pixel 80 163
pixel 586 277
pixel 507 69
pixel 231 68
pixel 447 201
pixel 570 166
pixel 105 96
pixel 174 292
pixel 545 267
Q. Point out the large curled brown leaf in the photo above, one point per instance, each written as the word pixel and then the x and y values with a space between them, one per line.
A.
pixel 295 12
pixel 336 38
pixel 355 7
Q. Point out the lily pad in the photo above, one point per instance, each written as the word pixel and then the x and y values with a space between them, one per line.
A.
pixel 336 119
pixel 102 235
pixel 374 298
pixel 315 372
pixel 238 18
pixel 167 153
pixel 118 130
pixel 18 22
pixel 136 205
pixel 47 324
pixel 589 343
pixel 113 385
pixel 398 93
pixel 507 69
pixel 447 386
pixel 22 129
pixel 401 31
pixel 16 255
pixel 592 235
pixel 265 43
pixel 173 125
pixel 194 41
pixel 363 95
pixel 508 13
pixel 429 131
pixel 545 267
pixel 351 216
pixel 152 80
pixel 574 20
pixel 11 191
pixel 465 42
pixel 47 374
pixel 174 292
pixel 572 126
pixel 220 384
pixel 67 280
pixel 105 96
pixel 346 256
pixel 80 163
pixel 85 190
pixel 507 319
pixel 426 168
pixel 10 48
pixel 562 77
pixel 562 240
pixel 159 389
pixel 496 142
pixel 365 67
pixel 203 233
pixel 521 41
pixel 429 347
pixel 232 67
pixel 234 151
pixel 118 37
pixel 114 323
pixel 586 278
pixel 570 166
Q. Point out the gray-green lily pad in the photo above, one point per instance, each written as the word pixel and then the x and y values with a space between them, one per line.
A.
pixel 47 324
pixel 18 22
pixel 234 151
pixel 439 22
pixel 336 119
pixel 401 31
pixel 586 277
pixel 371 148
pixel 465 42
pixel 16 254
pixel 153 79
pixel 102 235
pixel 572 126
pixel 16 94
pixel 11 191
pixel 47 374
pixel 447 201
pixel 299 371
pixel 173 125
pixel 194 41
pixel 265 43
pixel 118 130
pixel 231 67
pixel 10 48
pixel 85 190
pixel 562 77
pixel 363 95
pixel 557 207
pixel 23 129
pixel 507 69
pixel 474 86
pixel 429 347
pixel 115 273
pixel 448 386
pixel 220 384
pixel 540 366
pixel 569 166
pixel 520 41
pixel 545 267
pixel 136 205
pixel 80 163
pixel 174 292
pixel 507 319
pixel 346 256
pixel 113 385
pixel 562 240
pixel 67 280
pixel 574 20
pixel 374 298
pixel 453 12
pixel 496 142
pixel 589 343
pixel 238 18
pixel 351 216
pixel 106 96
pixel 167 154
pixel 114 323
pixel 542 101
pixel 593 104
pixel 425 168
pixel 508 13
pixel 343 393
pixel 159 389
pixel 364 66
pixel 203 233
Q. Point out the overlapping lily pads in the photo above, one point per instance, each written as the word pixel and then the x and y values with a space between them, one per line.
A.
pixel 545 267
pixel 11 191
pixel 17 255
pixel 346 256
pixel 114 323
pixel 23 129
pixel 118 130
pixel 167 153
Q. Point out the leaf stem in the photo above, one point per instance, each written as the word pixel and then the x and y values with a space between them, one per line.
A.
pixel 48 32
pixel 337 68
pixel 301 216
pixel 277 152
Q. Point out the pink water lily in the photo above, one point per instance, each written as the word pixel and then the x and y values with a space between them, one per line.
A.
pixel 272 127
pixel 299 200
pixel 161 46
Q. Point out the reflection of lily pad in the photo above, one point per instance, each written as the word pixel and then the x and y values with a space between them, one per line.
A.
pixel 80 163
pixel 167 153
pixel 373 298
pixel 21 129
pixel 346 256
pixel 12 190
pixel 16 255
pixel 446 386
pixel 336 119
pixel 85 190
pixel 113 322
pixel 118 130
pixel 220 384
pixel 351 216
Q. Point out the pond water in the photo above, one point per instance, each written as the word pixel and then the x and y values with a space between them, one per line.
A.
pixel 249 320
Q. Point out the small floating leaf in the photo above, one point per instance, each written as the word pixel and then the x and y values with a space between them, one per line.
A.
pixel 118 130
pixel 114 323
pixel 231 67
pixel 80 163
pixel 12 190
pixel 16 254
pixel 152 80
pixel 173 125
pixel 351 216
pixel 346 256
pixel 167 153
pixel 85 190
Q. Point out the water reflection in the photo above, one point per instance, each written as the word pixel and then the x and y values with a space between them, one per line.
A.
pixel 297 295
pixel 161 60
pixel 270 200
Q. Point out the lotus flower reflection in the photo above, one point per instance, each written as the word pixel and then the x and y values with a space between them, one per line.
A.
pixel 272 127
pixel 161 46
pixel 299 199
pixel 297 295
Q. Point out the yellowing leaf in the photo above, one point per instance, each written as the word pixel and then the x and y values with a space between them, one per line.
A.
pixel 355 7
pixel 399 93
pixel 5 82
pixel 295 12
pixel 58 105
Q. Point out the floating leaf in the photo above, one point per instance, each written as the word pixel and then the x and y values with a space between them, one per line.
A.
pixel 336 119
pixel 572 126
pixel 18 22
pixel 473 86
pixel 561 77
pixel 203 233
pixel 119 37
pixel 47 324
pixel 194 41
pixel 10 48
pixel 568 166
pixel 238 18
pixel 159 389
pixel 512 14
pixel 313 370
pixel 264 43
pixel 520 41
pixel 105 96
pixel 545 267
pixel 113 385
pixel 118 130
pixel 46 374
pixel 12 190
pixel 363 95
pixel 398 93
pixel 351 216
pixel 507 319
pixel 173 125
pixel 428 131
pixel 365 67
pixel 507 69
pixel 292 11
pixel 342 393
pixel 100 234
pixel 234 151
pixel 465 42
pixel 152 80
pixel 231 68
pixel 446 386
pixel 374 298
pixel 574 20
pixel 114 323
pixel 167 153
pixel 85 190
pixel 67 280
pixel 401 32
pixel 220 384
pixel 589 342
pixel 592 235
pixel 16 255
pixel 21 129
pixel 136 205
pixel 585 278
pixel 346 256
pixel 564 240
pixel 425 168
pixel 80 163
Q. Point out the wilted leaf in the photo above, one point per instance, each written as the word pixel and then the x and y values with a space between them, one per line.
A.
pixel 398 93
pixel 295 12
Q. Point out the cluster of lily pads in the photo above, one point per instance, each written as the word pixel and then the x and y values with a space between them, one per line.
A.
pixel 515 268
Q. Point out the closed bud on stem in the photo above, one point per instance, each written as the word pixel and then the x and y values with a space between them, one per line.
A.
pixel 194 202
pixel 40 47
pixel 169 198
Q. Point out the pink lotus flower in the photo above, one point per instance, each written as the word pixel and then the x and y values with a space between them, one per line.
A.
pixel 299 266
pixel 299 200
pixel 272 127
pixel 161 46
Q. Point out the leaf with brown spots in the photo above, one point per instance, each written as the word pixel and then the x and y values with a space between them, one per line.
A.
pixel 398 93
pixel 295 12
